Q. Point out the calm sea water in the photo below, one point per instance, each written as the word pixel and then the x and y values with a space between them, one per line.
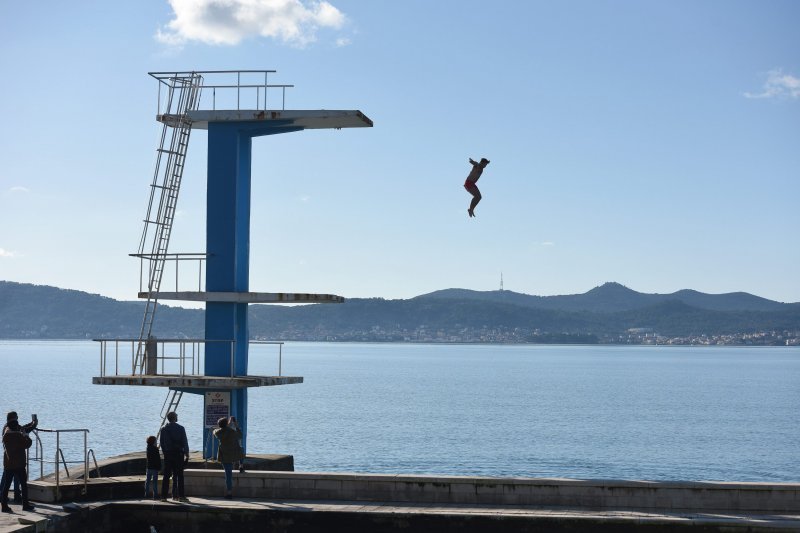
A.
pixel 659 413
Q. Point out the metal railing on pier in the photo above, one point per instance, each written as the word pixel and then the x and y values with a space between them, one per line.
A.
pixel 59 459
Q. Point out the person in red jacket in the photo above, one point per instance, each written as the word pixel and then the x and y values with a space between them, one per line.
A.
pixel 15 442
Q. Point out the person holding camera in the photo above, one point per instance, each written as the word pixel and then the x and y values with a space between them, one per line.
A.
pixel 27 428
pixel 15 443
pixel 228 434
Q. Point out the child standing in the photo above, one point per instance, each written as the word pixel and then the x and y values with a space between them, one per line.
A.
pixel 153 466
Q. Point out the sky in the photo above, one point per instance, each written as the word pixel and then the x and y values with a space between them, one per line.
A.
pixel 653 144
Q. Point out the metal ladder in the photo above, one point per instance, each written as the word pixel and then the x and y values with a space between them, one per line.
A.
pixel 171 403
pixel 183 96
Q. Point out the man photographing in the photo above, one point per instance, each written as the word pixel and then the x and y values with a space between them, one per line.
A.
pixel 15 443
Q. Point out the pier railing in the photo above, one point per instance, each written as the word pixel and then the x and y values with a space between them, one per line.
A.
pixel 59 459
pixel 174 357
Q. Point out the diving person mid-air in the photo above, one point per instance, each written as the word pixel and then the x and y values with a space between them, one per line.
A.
pixel 471 183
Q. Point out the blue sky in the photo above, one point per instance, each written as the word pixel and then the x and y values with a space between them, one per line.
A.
pixel 650 143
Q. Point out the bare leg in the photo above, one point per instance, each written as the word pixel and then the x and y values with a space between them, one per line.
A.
pixel 476 197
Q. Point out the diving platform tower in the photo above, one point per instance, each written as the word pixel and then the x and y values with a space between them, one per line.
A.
pixel 235 107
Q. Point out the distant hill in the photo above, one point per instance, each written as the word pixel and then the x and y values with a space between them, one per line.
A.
pixel 613 297
pixel 42 312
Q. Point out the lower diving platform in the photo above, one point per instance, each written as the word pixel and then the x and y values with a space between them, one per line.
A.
pixel 179 363
pixel 197 382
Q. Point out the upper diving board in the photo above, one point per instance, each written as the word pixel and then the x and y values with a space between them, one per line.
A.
pixel 301 119
pixel 244 297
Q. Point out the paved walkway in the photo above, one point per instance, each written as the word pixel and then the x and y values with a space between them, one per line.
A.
pixel 20 521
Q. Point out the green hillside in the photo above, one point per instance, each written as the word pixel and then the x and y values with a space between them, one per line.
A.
pixel 607 312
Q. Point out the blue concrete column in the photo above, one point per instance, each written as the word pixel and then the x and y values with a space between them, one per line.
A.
pixel 227 246
pixel 228 249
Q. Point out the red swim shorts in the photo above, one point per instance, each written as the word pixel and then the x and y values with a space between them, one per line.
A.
pixel 470 186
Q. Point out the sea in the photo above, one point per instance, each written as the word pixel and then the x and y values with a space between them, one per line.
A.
pixel 582 412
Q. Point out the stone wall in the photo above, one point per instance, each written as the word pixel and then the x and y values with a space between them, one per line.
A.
pixel 568 493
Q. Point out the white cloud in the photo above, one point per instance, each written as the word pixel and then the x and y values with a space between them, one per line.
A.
pixel 342 41
pixel 778 85
pixel 7 253
pixel 547 243
pixel 228 22
pixel 19 188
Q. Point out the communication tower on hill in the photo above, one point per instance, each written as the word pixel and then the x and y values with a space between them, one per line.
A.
pixel 234 106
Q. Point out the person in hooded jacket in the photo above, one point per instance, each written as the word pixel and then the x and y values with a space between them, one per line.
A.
pixel 26 428
pixel 228 434
pixel 15 461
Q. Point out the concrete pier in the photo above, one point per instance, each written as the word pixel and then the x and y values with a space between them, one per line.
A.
pixel 299 516
pixel 763 498
pixel 307 501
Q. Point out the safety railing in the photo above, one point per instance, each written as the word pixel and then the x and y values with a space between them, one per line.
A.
pixel 59 457
pixel 279 344
pixel 172 262
pixel 173 357
pixel 94 459
pixel 227 89
pixel 181 357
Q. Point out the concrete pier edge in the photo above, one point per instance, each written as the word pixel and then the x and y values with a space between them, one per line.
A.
pixel 703 496
pixel 427 502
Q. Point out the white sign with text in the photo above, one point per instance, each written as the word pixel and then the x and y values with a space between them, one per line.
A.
pixel 217 405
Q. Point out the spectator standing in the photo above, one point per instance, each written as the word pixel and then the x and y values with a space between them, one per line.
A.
pixel 176 453
pixel 15 443
pixel 27 428
pixel 153 466
pixel 229 451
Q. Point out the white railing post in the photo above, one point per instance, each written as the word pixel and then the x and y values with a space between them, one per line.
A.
pixel 58 447
pixel 85 462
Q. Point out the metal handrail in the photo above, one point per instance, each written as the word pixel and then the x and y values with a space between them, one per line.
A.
pixel 189 362
pixel 39 454
pixel 171 80
pixel 176 258
pixel 280 352
pixel 94 458
pixel 60 454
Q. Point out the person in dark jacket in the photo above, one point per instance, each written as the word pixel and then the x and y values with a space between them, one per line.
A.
pixel 15 442
pixel 228 435
pixel 176 450
pixel 27 428
pixel 153 466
